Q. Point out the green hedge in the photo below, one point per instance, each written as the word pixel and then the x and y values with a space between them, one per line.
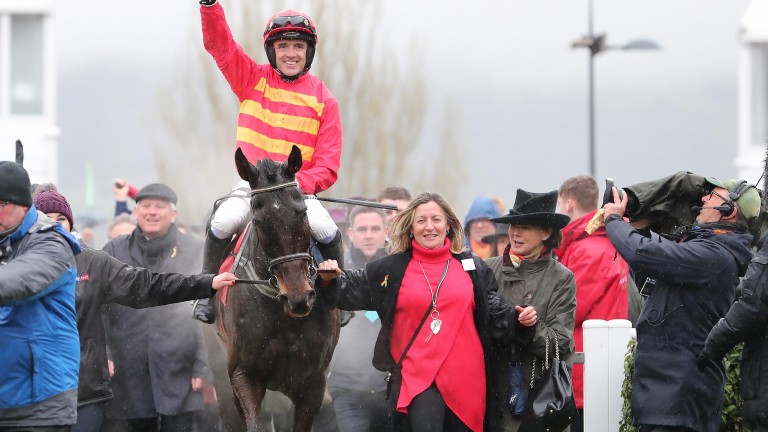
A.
pixel 731 417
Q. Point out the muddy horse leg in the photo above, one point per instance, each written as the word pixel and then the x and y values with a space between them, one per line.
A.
pixel 307 402
pixel 249 395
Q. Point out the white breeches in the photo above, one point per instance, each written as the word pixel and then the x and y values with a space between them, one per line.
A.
pixel 234 211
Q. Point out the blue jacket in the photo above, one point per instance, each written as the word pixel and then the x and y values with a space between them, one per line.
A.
pixel 39 348
pixel 690 285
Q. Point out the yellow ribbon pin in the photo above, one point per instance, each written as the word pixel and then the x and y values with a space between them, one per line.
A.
pixel 384 282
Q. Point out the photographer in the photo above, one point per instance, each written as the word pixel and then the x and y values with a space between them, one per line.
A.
pixel 689 284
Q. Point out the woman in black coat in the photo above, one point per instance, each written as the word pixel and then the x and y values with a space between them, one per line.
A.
pixel 428 311
pixel 102 279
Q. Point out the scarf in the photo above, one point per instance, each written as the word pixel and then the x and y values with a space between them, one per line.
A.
pixel 154 251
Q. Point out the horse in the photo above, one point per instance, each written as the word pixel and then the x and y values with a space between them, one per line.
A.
pixel 277 333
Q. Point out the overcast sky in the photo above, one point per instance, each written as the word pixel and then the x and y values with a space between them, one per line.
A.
pixel 508 64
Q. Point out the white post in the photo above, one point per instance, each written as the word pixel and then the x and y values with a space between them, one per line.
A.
pixel 605 346
pixel 620 332
pixel 595 375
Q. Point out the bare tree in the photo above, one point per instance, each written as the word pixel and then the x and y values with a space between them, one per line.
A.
pixel 383 109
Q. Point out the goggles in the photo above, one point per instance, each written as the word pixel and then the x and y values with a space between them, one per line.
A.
pixel 295 21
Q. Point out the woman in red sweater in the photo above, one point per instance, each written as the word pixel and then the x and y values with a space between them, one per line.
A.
pixel 432 291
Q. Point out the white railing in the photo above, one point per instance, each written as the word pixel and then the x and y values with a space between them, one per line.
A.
pixel 605 346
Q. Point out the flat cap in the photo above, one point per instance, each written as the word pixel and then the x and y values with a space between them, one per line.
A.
pixel 157 191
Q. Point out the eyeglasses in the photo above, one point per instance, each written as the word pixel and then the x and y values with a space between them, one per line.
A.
pixel 294 21
pixel 725 200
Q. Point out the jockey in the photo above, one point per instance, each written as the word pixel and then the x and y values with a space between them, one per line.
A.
pixel 281 105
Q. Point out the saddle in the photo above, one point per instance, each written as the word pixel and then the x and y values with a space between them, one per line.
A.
pixel 235 259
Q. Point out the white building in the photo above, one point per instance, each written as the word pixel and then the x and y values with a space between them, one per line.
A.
pixel 28 86
pixel 753 91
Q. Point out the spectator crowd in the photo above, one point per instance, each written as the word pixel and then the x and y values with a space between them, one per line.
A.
pixel 445 322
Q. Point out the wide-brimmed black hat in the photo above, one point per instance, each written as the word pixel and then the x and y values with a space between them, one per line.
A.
pixel 538 209
pixel 501 231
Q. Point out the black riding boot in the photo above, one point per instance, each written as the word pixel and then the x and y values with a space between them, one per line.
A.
pixel 333 250
pixel 213 255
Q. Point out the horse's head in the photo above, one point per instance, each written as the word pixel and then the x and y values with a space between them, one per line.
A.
pixel 281 227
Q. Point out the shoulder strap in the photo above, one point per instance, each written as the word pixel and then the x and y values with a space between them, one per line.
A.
pixel 391 374
pixel 413 338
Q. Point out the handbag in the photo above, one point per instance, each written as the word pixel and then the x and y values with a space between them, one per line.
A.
pixel 550 405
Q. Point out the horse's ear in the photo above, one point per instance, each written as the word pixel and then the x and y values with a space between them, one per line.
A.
pixel 294 161
pixel 242 164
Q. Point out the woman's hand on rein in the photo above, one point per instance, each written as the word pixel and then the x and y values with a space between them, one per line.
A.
pixel 223 280
pixel 328 270
pixel 526 315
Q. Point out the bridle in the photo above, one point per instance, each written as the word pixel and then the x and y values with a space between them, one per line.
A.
pixel 269 286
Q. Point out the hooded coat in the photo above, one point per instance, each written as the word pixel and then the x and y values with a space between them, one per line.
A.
pixel 690 285
pixel 38 333
pixel 481 208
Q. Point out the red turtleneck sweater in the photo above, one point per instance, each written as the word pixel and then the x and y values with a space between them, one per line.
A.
pixel 453 358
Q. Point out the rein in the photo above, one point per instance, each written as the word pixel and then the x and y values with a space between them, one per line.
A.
pixel 274 188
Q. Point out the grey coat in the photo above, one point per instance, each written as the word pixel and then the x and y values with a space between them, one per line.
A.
pixel 549 287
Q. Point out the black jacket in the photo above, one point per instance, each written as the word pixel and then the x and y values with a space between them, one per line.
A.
pixel 157 351
pixel 747 321
pixel 376 287
pixel 693 284
pixel 102 279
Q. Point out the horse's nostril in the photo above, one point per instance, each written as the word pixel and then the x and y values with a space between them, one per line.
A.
pixel 282 298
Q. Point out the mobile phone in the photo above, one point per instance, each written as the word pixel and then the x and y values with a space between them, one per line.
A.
pixel 608 194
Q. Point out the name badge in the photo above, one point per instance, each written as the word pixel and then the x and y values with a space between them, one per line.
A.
pixel 468 264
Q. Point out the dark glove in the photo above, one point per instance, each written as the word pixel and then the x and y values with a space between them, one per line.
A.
pixel 704 360
pixel 346 317
pixel 207 2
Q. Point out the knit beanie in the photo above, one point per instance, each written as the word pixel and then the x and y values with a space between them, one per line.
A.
pixel 15 186
pixel 54 202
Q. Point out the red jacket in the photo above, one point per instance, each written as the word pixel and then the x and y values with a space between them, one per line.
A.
pixel 276 115
pixel 601 283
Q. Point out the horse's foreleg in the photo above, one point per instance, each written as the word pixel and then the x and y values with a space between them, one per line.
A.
pixel 307 402
pixel 248 396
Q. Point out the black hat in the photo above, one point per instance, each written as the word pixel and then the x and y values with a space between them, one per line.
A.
pixel 501 231
pixel 535 209
pixel 157 190
pixel 15 186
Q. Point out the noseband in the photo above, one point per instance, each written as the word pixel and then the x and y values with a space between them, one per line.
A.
pixel 272 281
